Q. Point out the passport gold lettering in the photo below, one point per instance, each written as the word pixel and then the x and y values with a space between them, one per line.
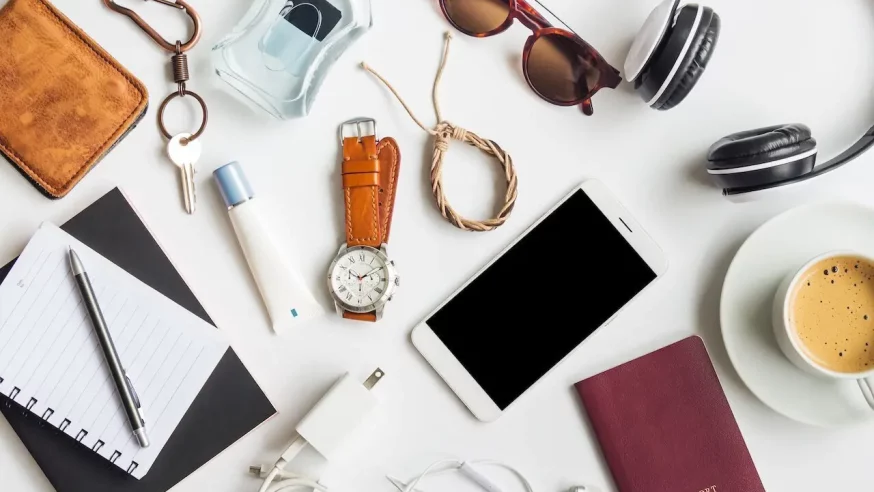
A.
pixel 712 488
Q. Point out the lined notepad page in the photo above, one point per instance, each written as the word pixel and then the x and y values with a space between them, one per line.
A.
pixel 51 362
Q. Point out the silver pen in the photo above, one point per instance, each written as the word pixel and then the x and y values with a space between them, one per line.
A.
pixel 129 399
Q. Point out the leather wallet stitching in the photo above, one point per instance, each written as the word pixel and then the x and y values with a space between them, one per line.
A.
pixel 92 159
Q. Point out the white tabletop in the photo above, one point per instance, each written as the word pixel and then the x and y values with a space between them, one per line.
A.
pixel 777 62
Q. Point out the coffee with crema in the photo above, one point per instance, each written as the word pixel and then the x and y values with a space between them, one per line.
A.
pixel 832 312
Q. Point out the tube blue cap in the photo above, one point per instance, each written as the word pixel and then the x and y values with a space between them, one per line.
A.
pixel 233 185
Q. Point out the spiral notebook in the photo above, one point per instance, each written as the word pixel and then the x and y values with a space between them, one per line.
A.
pixel 230 405
pixel 51 362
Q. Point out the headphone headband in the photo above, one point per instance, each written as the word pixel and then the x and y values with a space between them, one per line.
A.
pixel 857 149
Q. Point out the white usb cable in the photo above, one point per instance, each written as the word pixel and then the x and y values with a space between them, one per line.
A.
pixel 467 469
pixel 326 427
pixel 331 422
pixel 470 470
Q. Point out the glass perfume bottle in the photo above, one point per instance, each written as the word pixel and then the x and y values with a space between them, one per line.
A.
pixel 281 51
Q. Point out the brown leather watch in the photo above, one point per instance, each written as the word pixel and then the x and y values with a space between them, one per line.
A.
pixel 362 278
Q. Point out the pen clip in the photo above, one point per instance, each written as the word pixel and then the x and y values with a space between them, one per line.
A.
pixel 133 392
pixel 136 397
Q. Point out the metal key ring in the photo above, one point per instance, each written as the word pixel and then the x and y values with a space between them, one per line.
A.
pixel 174 95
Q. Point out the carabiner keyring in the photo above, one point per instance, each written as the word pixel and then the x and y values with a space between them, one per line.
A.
pixel 167 45
pixel 179 59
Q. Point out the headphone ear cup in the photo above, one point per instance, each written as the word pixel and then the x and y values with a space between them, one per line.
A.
pixel 762 156
pixel 699 55
pixel 681 58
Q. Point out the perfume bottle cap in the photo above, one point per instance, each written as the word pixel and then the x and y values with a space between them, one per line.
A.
pixel 233 185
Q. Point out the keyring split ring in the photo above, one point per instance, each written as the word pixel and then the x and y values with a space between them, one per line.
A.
pixel 174 95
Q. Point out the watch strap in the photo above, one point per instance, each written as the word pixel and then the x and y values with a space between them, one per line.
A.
pixel 390 162
pixel 361 190
pixel 370 173
pixel 371 317
pixel 370 178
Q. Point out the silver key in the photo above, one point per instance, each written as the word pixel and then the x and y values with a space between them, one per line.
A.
pixel 185 156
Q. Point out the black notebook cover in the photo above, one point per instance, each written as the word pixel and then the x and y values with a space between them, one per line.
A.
pixel 228 407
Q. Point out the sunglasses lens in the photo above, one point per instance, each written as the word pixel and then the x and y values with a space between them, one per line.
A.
pixel 559 69
pixel 477 16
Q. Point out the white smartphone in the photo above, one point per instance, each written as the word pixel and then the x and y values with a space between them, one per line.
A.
pixel 567 276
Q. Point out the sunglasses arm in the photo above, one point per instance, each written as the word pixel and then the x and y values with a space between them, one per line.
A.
pixel 529 16
pixel 612 81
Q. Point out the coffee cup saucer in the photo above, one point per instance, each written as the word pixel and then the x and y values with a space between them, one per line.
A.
pixel 772 252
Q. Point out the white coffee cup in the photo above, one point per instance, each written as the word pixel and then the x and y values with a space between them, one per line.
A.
pixel 787 335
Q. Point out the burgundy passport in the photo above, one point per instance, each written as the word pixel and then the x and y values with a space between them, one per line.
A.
pixel 665 425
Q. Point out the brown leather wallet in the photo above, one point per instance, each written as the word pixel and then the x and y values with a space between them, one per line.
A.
pixel 64 101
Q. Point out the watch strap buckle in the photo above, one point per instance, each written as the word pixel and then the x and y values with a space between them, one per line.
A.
pixel 360 127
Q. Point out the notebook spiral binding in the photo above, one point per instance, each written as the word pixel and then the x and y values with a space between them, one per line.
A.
pixel 26 410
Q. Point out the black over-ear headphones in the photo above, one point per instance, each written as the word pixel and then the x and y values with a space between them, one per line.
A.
pixel 671 51
pixel 772 157
pixel 768 158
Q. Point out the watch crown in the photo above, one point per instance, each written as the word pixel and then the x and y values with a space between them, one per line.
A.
pixel 397 281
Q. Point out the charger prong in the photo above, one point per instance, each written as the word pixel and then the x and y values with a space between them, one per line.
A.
pixel 374 378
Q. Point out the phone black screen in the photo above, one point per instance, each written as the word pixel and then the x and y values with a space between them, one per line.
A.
pixel 541 299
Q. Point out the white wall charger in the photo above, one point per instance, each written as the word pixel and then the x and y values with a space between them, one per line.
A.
pixel 327 426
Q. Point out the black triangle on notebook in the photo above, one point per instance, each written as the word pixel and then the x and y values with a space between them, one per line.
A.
pixel 228 407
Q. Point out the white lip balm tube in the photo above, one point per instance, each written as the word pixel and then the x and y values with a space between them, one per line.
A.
pixel 287 299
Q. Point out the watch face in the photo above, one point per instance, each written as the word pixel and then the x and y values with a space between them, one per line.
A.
pixel 362 279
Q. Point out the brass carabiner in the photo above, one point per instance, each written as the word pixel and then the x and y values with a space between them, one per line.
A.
pixel 167 45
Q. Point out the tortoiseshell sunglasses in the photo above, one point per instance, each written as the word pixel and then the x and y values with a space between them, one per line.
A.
pixel 558 65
